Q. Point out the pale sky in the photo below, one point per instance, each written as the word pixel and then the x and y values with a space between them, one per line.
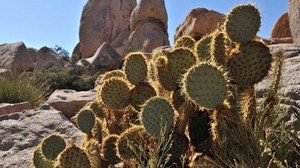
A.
pixel 41 23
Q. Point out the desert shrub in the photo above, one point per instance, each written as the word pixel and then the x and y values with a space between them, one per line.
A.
pixel 21 87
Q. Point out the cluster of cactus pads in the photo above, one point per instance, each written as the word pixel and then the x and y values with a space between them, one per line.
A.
pixel 188 93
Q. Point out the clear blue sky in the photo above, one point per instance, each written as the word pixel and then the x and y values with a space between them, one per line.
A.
pixel 41 23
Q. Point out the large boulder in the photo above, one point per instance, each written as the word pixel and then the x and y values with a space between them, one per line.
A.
pixel 69 102
pixel 281 32
pixel 102 21
pixel 148 27
pixel 289 88
pixel 105 58
pixel 22 132
pixel 199 22
pixel 8 108
pixel 14 56
pixel 46 56
pixel 155 9
pixel 32 52
pixel 294 17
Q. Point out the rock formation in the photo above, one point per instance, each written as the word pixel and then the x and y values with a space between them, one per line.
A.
pixel 46 55
pixel 199 22
pixel 148 25
pixel 294 17
pixel 14 56
pixel 102 21
pixel 281 32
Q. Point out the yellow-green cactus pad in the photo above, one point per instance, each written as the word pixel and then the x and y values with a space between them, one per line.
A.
pixel 39 160
pixel 250 63
pixel 109 149
pixel 86 121
pixel 242 23
pixel 140 93
pixel 52 146
pixel 185 41
pixel 136 67
pixel 218 49
pixel 202 48
pixel 157 114
pixel 179 61
pixel 115 93
pixel 73 157
pixel 163 75
pixel 205 85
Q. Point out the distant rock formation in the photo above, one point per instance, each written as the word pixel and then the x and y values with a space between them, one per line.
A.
pixel 102 21
pixel 46 55
pixel 199 22
pixel 14 56
pixel 294 17
pixel 281 32
pixel 149 24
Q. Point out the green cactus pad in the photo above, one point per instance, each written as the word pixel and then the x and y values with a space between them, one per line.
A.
pixel 115 93
pixel 107 75
pixel 86 121
pixel 157 113
pixel 140 93
pixel 218 49
pixel 39 160
pixel 163 74
pixel 73 157
pixel 185 41
pixel 202 48
pixel 96 108
pixel 109 149
pixel 131 142
pixel 242 23
pixel 250 63
pixel 205 85
pixel 179 61
pixel 52 146
pixel 136 67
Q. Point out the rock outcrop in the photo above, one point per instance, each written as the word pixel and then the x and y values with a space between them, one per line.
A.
pixel 148 25
pixel 22 132
pixel 281 32
pixel 7 108
pixel 102 21
pixel 45 56
pixel 199 22
pixel 14 56
pixel 69 102
pixel 32 52
pixel 105 58
pixel 294 17
pixel 290 81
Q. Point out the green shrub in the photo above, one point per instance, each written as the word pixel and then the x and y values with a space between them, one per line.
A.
pixel 21 87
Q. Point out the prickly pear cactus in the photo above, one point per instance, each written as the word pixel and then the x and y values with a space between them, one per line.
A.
pixel 52 146
pixel 86 121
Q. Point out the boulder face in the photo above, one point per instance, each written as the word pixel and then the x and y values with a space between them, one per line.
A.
pixel 102 21
pixel 105 58
pixel 46 55
pixel 148 25
pixel 14 56
pixel 22 132
pixel 149 9
pixel 294 17
pixel 281 30
pixel 289 87
pixel 199 22
pixel 32 53
pixel 7 108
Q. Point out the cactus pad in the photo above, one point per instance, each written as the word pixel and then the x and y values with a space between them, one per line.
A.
pixel 115 93
pixel 52 146
pixel 73 157
pixel 140 93
pixel 157 115
pixel 179 61
pixel 218 48
pixel 242 23
pixel 109 149
pixel 86 121
pixel 205 85
pixel 163 74
pixel 136 67
pixel 202 48
pixel 185 41
pixel 39 160
pixel 250 63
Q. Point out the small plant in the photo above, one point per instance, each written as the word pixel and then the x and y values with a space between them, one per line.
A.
pixel 21 87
